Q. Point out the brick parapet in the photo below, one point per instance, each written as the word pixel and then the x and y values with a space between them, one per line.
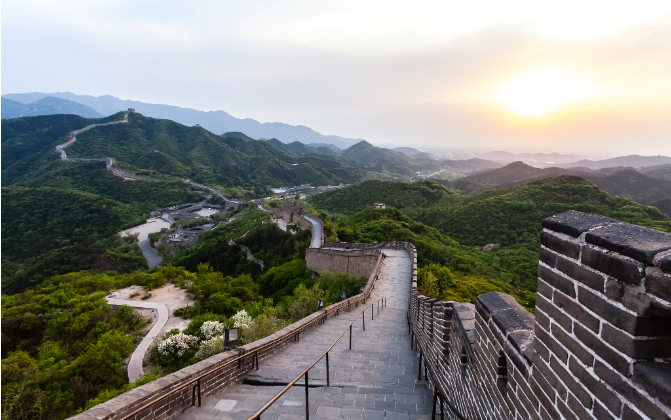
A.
pixel 166 400
pixel 598 348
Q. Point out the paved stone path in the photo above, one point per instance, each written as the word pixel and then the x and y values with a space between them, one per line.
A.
pixel 316 230
pixel 135 364
pixel 374 380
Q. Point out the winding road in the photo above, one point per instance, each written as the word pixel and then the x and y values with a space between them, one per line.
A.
pixel 135 365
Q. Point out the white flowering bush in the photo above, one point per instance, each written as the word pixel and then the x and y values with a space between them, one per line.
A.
pixel 210 348
pixel 177 345
pixel 242 320
pixel 211 329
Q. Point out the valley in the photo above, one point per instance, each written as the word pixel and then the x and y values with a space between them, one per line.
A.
pixel 125 180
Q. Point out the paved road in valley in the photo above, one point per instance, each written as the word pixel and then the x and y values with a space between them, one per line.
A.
pixel 152 225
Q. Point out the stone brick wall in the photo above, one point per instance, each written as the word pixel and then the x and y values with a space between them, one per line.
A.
pixel 354 262
pixel 599 346
pixel 166 397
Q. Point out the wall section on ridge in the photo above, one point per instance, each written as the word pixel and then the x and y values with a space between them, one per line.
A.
pixel 354 262
pixel 599 346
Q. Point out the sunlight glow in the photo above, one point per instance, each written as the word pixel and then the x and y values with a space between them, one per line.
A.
pixel 541 91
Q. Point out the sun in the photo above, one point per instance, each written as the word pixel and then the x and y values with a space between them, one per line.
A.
pixel 541 91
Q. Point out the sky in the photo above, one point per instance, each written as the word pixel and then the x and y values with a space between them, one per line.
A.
pixel 577 76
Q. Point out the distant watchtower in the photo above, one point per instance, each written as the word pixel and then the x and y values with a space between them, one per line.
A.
pixel 197 125
pixel 289 209
pixel 380 206
pixel 131 110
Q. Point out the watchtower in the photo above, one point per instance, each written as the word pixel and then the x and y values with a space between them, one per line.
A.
pixel 289 209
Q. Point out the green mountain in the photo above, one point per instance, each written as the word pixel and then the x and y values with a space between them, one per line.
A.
pixel 401 195
pixel 659 172
pixel 376 159
pixel 621 181
pixel 29 142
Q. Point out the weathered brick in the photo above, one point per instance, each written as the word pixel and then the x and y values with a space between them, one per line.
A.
pixel 596 387
pixel 654 378
pixel 543 370
pixel 568 380
pixel 601 413
pixel 541 319
pixel 562 246
pixel 625 270
pixel 558 316
pixel 607 310
pixel 556 280
pixel 544 289
pixel 658 283
pixel 639 243
pixel 647 348
pixel 552 344
pixel 589 278
pixel 629 414
pixel 575 223
pixel 576 311
pixel 547 257
pixel 566 412
pixel 577 408
pixel 597 346
pixel 628 392
pixel 541 350
pixel 572 345
pixel 614 290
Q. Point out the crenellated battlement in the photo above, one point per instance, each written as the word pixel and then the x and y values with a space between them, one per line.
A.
pixel 598 347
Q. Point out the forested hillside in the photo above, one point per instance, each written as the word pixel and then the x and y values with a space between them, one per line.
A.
pixel 622 181
pixel 401 195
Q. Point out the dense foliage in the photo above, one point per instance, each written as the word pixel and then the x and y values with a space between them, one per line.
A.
pixel 401 195
pixel 63 345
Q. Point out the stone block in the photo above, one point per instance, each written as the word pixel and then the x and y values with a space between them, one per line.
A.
pixel 623 269
pixel 575 223
pixel 655 379
pixel 562 246
pixel 553 312
pixel 556 280
pixel 665 264
pixel 552 344
pixel 572 345
pixel 581 274
pixel 636 348
pixel 576 310
pixel 658 283
pixel 639 243
pixel 576 388
pixel 594 343
pixel 628 392
pixel 601 413
pixel 546 257
pixel 544 289
pixel 614 290
pixel 596 387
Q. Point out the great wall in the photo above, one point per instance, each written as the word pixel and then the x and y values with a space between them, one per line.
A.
pixel 110 161
pixel 598 347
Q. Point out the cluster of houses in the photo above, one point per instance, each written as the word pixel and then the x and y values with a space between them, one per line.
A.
pixel 188 237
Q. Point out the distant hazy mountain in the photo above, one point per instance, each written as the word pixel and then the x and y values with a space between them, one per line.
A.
pixel 408 151
pixel 541 160
pixel 218 122
pixel 624 182
pixel 46 106
pixel 634 161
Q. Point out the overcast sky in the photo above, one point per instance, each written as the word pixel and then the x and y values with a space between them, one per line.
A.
pixel 415 73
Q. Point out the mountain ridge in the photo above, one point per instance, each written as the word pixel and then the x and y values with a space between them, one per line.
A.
pixel 215 121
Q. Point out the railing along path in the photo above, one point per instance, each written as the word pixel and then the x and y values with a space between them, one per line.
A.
pixel 305 372
pixel 195 382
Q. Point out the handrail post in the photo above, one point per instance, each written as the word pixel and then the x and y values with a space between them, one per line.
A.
pixel 327 369
pixel 372 315
pixel 307 398
pixel 412 339
pixel 420 366
pixel 435 400
pixel 350 336
pixel 378 307
pixel 363 318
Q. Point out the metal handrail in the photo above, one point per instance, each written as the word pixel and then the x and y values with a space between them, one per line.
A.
pixel 257 415
pixel 241 358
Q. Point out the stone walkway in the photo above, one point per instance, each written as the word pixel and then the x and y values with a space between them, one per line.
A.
pixel 135 364
pixel 374 380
